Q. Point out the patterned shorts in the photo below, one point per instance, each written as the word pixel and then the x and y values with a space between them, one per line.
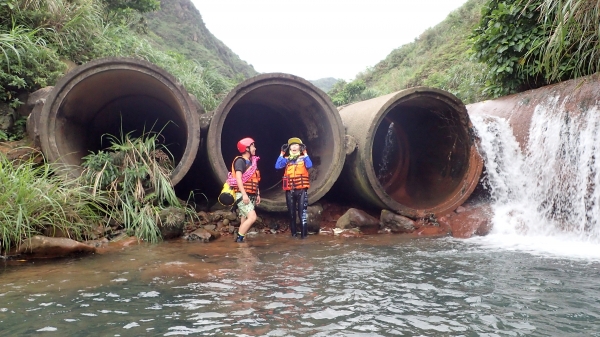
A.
pixel 244 209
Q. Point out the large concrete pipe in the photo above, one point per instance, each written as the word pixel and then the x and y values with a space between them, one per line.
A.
pixel 114 95
pixel 416 152
pixel 271 108
pixel 574 96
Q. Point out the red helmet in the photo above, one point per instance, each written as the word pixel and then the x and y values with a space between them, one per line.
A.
pixel 243 144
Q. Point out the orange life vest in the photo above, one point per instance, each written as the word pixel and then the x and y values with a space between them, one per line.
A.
pixel 250 186
pixel 295 176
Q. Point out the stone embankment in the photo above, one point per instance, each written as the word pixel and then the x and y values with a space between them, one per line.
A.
pixel 323 219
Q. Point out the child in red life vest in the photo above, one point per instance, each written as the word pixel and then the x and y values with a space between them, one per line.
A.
pixel 295 182
pixel 244 181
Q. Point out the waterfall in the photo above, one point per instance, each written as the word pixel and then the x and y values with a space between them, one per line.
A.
pixel 549 194
pixel 384 172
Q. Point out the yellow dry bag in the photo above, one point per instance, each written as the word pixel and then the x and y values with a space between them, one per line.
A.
pixel 227 195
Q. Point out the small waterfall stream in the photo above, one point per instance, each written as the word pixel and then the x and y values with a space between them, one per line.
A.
pixel 546 198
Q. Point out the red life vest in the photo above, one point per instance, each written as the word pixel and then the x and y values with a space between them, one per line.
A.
pixel 250 186
pixel 295 176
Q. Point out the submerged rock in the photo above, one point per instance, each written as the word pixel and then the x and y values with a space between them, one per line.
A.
pixel 44 247
pixel 201 235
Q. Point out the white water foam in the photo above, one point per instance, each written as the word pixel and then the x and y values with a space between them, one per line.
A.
pixel 546 200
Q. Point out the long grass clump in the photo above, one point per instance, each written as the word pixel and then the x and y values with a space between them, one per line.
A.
pixel 33 200
pixel 134 175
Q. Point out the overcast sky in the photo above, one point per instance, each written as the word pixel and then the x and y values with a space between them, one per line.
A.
pixel 314 39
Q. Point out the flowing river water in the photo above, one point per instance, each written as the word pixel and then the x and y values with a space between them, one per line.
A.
pixel 380 285
pixel 536 274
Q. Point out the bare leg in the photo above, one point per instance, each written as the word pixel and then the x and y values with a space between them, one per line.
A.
pixel 242 220
pixel 247 222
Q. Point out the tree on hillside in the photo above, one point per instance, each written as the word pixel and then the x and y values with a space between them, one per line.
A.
pixel 345 93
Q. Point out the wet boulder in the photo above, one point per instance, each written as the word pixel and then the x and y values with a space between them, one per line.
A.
pixel 172 221
pixel 396 223
pixel 221 215
pixel 474 220
pixel 356 218
pixel 314 215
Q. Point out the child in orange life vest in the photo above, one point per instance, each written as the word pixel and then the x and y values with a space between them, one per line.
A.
pixel 295 182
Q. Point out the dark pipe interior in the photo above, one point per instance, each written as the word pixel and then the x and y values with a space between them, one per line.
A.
pixel 420 152
pixel 271 115
pixel 118 102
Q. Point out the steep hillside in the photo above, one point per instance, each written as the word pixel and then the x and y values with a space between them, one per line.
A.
pixel 439 58
pixel 178 26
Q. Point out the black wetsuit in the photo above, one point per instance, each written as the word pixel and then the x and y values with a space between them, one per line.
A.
pixel 297 201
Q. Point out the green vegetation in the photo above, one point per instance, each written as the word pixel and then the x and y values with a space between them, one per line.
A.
pixel 34 201
pixel 571 47
pixel 16 132
pixel 531 43
pixel 39 37
pixel 133 175
pixel 439 58
pixel 141 6
pixel 490 48
pixel 129 183
pixel 506 40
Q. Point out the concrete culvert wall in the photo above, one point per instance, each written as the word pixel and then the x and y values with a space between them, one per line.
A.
pixel 107 96
pixel 271 108
pixel 416 153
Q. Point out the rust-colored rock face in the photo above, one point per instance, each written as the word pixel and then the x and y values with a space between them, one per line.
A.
pixel 474 220
pixel 576 96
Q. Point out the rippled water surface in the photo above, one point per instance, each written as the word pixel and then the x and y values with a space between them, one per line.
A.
pixel 381 285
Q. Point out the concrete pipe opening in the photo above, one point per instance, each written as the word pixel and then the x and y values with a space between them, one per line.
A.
pixel 271 108
pixel 416 153
pixel 113 96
